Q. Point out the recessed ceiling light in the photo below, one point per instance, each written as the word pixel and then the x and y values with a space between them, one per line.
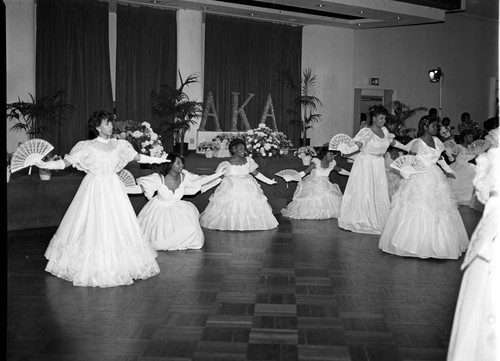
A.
pixel 252 14
pixel 399 18
pixel 321 5
pixel 361 12
pixel 205 8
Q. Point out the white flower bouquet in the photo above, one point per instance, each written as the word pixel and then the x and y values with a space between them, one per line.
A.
pixel 263 142
pixel 305 151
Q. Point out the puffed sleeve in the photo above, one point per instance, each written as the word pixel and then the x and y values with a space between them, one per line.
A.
pixel 192 184
pixel 222 165
pixel 78 155
pixel 316 161
pixel 127 153
pixel 252 165
pixel 363 135
pixel 150 183
pixel 418 146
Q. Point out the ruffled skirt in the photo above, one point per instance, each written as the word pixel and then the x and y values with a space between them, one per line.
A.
pixel 424 220
pixel 238 204
pixel 99 242
pixel 314 198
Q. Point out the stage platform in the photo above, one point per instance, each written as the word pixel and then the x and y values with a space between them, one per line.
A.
pixel 33 203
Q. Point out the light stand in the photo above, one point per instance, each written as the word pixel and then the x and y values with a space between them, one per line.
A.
pixel 435 76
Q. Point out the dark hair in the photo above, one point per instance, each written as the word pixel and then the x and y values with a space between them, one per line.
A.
pixel 425 121
pixel 465 133
pixel 447 120
pixel 234 143
pixel 433 111
pixel 464 114
pixel 96 119
pixel 164 168
pixel 376 110
pixel 324 151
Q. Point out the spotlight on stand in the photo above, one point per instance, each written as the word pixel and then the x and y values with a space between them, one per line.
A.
pixel 435 75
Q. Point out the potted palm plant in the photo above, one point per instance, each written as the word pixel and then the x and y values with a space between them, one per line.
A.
pixel 396 120
pixel 176 110
pixel 33 116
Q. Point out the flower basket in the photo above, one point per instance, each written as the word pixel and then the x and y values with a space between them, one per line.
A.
pixel 305 153
pixel 306 160
pixel 209 153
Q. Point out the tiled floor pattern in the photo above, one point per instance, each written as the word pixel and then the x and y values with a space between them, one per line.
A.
pixel 306 291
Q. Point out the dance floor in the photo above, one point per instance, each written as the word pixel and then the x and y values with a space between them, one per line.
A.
pixel 304 291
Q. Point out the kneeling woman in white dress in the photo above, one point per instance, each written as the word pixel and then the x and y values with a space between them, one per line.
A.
pixel 424 220
pixel 168 222
pixel 316 197
pixel 238 203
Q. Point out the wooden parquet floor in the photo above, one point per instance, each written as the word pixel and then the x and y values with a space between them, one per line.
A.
pixel 306 291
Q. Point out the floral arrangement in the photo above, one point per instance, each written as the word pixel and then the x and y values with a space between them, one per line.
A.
pixel 305 151
pixel 203 146
pixel 264 142
pixel 285 142
pixel 141 136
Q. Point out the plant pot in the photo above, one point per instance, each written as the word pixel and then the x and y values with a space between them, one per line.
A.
pixel 209 153
pixel 285 151
pixel 45 174
pixel 306 160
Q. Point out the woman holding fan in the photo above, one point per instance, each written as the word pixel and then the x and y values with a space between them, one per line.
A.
pixel 99 242
pixel 424 220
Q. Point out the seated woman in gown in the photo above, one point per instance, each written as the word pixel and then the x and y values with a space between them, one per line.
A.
pixel 168 222
pixel 316 197
pixel 238 203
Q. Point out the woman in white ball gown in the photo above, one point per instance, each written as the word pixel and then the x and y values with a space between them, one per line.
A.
pixel 476 326
pixel 238 203
pixel 424 220
pixel 365 204
pixel 461 186
pixel 99 241
pixel 168 222
pixel 316 197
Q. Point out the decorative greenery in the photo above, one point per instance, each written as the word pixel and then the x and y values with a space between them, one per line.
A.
pixel 141 136
pixel 33 116
pixel 203 146
pixel 305 151
pixel 175 109
pixel 264 142
pixel 399 112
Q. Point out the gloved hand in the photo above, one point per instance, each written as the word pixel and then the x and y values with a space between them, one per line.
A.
pixel 344 172
pixel 446 167
pixel 52 164
pixel 400 146
pixel 264 179
pixel 151 160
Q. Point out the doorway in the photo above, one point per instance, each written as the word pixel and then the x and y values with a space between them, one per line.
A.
pixel 364 99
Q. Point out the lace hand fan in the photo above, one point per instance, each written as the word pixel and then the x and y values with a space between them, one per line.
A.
pixel 339 139
pixel 289 175
pixel 127 178
pixel 450 146
pixel 479 146
pixel 408 165
pixel 29 153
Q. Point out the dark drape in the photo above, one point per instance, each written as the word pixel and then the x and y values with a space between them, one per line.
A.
pixel 146 56
pixel 242 56
pixel 72 55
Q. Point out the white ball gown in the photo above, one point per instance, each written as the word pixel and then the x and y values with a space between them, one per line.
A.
pixel 461 186
pixel 475 334
pixel 99 242
pixel 168 222
pixel 238 203
pixel 315 197
pixel 424 220
pixel 365 204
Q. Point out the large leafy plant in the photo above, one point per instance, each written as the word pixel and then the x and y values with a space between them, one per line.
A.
pixel 34 116
pixel 176 111
pixel 399 113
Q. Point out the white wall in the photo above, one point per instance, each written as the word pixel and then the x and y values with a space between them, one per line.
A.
pixel 465 48
pixel 329 52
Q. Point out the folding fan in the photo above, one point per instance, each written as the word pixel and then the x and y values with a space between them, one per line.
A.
pixel 451 146
pixel 129 181
pixel 29 153
pixel 408 165
pixel 339 139
pixel 479 146
pixel 289 175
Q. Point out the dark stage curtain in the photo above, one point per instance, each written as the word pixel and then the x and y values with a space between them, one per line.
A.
pixel 146 56
pixel 72 55
pixel 242 56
